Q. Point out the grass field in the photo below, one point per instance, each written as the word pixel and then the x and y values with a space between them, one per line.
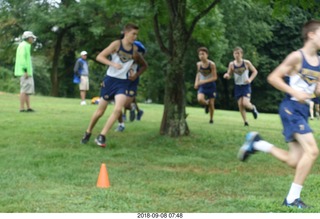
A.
pixel 44 168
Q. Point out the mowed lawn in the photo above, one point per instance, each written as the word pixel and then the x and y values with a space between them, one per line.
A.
pixel 44 168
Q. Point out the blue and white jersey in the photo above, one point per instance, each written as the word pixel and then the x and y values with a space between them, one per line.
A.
pixel 205 73
pixel 241 74
pixel 123 57
pixel 306 79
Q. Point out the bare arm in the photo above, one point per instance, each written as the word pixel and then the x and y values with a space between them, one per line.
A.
pixel 143 65
pixel 291 64
pixel 112 48
pixel 229 72
pixel 317 91
pixel 196 81
pixel 253 70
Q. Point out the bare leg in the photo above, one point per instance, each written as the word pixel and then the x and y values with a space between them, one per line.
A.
pixel 311 106
pixel 120 101
pixel 309 156
pixel 28 101
pixel 135 102
pixel 301 155
pixel 246 103
pixel 211 108
pixel 23 97
pixel 83 95
pixel 242 109
pixel 202 100
pixel 103 104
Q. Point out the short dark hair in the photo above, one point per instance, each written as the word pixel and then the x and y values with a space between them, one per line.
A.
pixel 238 48
pixel 310 26
pixel 130 26
pixel 203 49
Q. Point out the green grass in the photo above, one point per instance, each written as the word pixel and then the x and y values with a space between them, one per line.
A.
pixel 44 168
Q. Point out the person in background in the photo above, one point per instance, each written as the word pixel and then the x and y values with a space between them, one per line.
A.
pixel 81 68
pixel 314 107
pixel 240 69
pixel 23 69
pixel 205 82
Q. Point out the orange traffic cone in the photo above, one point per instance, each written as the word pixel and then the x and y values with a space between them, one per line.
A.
pixel 103 179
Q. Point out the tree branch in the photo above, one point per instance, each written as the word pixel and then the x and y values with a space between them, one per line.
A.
pixel 157 29
pixel 199 16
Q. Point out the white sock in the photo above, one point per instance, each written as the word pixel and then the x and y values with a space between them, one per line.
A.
pixel 263 146
pixel 121 124
pixel 133 106
pixel 294 192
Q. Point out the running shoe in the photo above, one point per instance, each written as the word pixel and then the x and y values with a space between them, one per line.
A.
pixel 255 112
pixel 101 140
pixel 297 203
pixel 120 128
pixel 139 115
pixel 132 115
pixel 86 138
pixel 247 148
pixel 206 109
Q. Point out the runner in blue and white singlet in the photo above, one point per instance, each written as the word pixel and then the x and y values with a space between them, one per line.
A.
pixel 294 114
pixel 125 58
pixel 239 68
pixel 205 82
pixel 116 80
pixel 115 84
pixel 298 76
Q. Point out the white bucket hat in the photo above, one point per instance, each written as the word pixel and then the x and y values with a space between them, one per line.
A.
pixel 83 53
pixel 28 34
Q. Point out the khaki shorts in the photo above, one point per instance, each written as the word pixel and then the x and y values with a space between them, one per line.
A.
pixel 26 85
pixel 84 84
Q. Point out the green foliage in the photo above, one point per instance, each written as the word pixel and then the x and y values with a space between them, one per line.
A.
pixel 47 170
pixel 286 38
pixel 8 82
pixel 267 31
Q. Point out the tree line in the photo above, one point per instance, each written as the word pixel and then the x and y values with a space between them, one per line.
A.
pixel 171 31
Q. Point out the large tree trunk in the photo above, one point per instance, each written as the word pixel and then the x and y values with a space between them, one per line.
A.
pixel 174 116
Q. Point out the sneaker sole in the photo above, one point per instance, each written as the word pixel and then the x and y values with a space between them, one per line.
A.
pixel 99 144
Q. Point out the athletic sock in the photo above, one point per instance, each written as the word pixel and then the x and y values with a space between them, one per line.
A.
pixel 121 124
pixel 263 146
pixel 133 106
pixel 294 192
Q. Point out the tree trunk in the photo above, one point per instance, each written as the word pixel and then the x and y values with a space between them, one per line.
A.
pixel 54 70
pixel 174 115
pixel 174 121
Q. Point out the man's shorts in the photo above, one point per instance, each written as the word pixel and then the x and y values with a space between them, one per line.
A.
pixel 209 90
pixel 133 88
pixel 242 91
pixel 294 117
pixel 316 100
pixel 84 83
pixel 26 85
pixel 112 87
